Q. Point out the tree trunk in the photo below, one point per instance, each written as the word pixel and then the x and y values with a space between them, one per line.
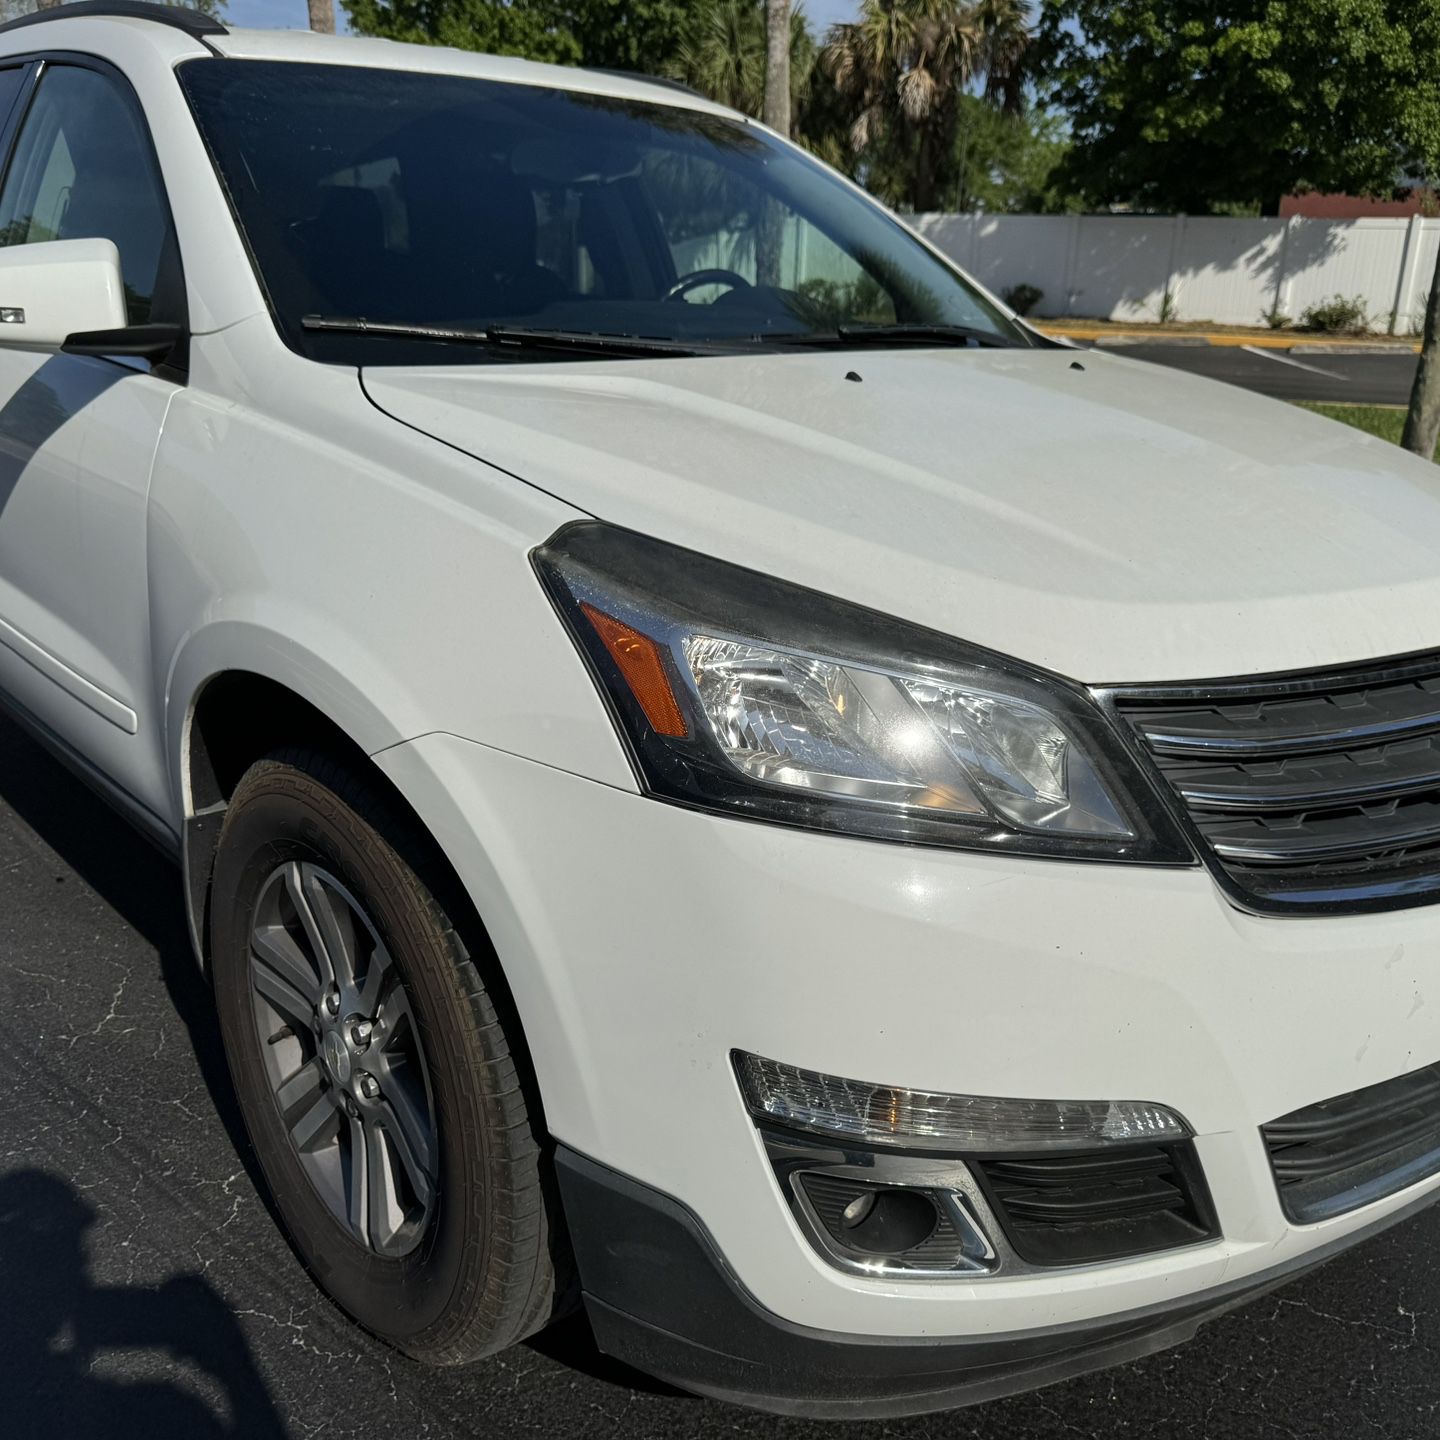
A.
pixel 777 65
pixel 770 235
pixel 1422 424
pixel 322 16
pixel 923 181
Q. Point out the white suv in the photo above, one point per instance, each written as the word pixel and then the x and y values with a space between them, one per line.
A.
pixel 588 596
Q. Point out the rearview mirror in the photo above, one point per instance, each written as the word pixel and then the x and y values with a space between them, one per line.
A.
pixel 52 289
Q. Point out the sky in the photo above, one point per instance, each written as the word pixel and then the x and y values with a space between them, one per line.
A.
pixel 291 14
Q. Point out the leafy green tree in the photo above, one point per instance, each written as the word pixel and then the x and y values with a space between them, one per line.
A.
pixel 1198 107
pixel 641 35
pixel 528 28
pixel 903 67
pixel 1007 163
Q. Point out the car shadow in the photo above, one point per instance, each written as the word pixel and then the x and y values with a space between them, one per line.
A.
pixel 57 1327
pixel 571 1342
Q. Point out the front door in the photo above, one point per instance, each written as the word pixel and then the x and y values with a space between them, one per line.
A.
pixel 78 436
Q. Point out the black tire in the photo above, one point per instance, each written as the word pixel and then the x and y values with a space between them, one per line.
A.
pixel 481 1276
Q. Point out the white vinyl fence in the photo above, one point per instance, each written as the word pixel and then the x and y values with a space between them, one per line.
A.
pixel 1234 272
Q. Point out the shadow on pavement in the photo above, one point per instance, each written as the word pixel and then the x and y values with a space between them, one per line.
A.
pixel 140 885
pixel 571 1342
pixel 57 1327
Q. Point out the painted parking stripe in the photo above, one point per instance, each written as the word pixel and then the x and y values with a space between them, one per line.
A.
pixel 1286 360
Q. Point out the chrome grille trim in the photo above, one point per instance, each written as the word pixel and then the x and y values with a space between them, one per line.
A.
pixel 1314 791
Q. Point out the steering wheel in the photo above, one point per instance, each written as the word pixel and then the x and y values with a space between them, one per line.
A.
pixel 698 278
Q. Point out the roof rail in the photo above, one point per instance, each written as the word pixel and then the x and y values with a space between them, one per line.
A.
pixel 192 22
pixel 664 80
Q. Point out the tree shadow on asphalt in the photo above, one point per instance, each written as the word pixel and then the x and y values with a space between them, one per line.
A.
pixel 57 1328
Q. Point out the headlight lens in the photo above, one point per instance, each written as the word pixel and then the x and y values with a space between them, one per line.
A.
pixel 894 739
pixel 743 694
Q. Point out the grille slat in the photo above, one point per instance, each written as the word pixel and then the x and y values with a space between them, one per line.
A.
pixel 1319 789
pixel 1354 1149
pixel 1077 1209
pixel 1287 742
pixel 1332 780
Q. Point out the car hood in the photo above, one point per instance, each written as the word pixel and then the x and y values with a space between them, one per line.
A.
pixel 1111 520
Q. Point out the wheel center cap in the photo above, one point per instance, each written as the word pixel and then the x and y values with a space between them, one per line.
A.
pixel 337 1057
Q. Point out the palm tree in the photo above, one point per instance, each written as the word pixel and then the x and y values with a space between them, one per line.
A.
pixel 903 64
pixel 777 65
pixel 322 16
pixel 724 55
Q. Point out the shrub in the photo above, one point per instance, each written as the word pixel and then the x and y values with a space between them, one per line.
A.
pixel 1339 315
pixel 1022 299
pixel 1276 318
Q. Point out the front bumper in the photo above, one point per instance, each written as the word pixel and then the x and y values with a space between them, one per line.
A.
pixel 644 942
pixel 661 1298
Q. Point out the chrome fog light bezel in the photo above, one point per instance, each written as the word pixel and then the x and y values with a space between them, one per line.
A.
pixel 950 1185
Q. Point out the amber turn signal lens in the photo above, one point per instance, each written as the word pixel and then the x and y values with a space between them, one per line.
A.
pixel 644 671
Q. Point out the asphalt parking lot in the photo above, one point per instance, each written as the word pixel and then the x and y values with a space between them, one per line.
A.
pixel 1380 377
pixel 146 1290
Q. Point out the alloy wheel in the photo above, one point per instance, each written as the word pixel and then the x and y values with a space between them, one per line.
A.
pixel 344 1058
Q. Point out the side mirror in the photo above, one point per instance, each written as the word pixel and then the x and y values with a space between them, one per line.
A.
pixel 56 288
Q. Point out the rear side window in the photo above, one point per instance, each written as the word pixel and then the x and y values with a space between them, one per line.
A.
pixel 84 169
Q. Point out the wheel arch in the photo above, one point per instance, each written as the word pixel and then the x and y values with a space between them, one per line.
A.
pixel 214 737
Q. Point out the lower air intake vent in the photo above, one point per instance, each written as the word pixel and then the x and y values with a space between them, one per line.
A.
pixel 1340 1154
pixel 1106 1205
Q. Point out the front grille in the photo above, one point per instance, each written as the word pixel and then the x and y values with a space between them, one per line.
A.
pixel 1318 790
pixel 1105 1205
pixel 1343 1153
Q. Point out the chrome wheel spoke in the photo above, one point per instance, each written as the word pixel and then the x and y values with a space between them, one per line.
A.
pixel 357 1180
pixel 312 1122
pixel 409 1131
pixel 317 919
pixel 399 1020
pixel 309 1077
pixel 277 978
pixel 272 945
pixel 377 974
pixel 381 1221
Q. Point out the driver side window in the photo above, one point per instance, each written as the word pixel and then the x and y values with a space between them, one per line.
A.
pixel 83 169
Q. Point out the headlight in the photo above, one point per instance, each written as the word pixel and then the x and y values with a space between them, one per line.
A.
pixel 743 694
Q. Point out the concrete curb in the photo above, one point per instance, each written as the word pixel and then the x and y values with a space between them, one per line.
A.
pixel 1357 348
pixel 1215 338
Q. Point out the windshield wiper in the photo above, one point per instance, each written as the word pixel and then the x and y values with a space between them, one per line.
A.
pixel 907 334
pixel 851 337
pixel 512 337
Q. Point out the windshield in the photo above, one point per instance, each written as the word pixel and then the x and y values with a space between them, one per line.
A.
pixel 432 201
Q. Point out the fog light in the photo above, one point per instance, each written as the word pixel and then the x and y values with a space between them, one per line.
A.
pixel 956 1124
pixel 879 1221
